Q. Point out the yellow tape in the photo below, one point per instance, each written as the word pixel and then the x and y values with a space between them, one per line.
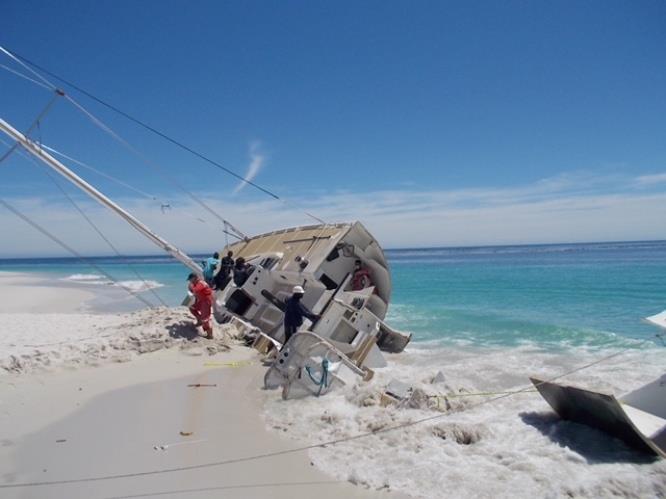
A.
pixel 239 363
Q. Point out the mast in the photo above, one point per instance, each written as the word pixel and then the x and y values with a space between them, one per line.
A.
pixel 56 165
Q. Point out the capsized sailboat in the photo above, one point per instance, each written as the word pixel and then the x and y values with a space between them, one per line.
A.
pixel 638 418
pixel 348 339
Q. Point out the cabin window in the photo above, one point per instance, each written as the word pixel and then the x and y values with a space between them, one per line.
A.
pixel 239 302
pixel 268 263
pixel 328 282
pixel 333 255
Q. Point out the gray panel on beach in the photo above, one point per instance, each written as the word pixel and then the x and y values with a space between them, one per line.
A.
pixel 594 409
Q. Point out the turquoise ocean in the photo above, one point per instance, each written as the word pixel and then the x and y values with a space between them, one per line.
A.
pixel 578 294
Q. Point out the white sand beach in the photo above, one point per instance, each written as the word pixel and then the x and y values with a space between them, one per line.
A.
pixel 116 405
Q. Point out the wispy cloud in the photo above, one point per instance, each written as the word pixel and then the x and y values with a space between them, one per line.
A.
pixel 257 161
pixel 582 208
pixel 646 180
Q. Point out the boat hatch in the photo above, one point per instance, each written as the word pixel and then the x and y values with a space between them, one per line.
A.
pixel 328 282
pixel 269 262
pixel 239 302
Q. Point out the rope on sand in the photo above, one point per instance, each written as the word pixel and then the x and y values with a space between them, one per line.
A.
pixel 438 397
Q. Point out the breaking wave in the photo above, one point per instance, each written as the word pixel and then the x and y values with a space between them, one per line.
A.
pixel 138 285
pixel 84 277
pixel 132 285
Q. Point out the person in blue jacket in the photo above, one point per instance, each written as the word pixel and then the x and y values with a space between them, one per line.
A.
pixel 210 268
pixel 294 312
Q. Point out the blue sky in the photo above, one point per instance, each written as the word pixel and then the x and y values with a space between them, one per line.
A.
pixel 435 123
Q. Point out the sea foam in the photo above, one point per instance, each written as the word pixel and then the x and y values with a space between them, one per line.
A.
pixel 84 277
pixel 478 445
pixel 131 285
pixel 137 286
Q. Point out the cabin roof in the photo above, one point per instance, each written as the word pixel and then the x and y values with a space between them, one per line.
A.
pixel 313 242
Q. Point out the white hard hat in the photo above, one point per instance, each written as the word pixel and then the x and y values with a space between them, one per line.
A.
pixel 298 290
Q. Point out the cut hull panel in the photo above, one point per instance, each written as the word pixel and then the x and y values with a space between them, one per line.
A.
pixel 602 411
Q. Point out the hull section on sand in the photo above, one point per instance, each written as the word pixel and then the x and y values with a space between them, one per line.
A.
pixel 639 429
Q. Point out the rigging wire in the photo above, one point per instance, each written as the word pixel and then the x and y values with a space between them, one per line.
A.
pixel 101 173
pixel 35 123
pixel 18 73
pixel 164 205
pixel 64 245
pixel 293 450
pixel 228 487
pixel 24 62
pixel 13 57
pixel 124 258
pixel 147 161
pixel 139 122
pixel 124 142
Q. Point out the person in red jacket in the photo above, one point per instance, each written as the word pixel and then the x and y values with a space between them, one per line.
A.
pixel 203 302
pixel 361 278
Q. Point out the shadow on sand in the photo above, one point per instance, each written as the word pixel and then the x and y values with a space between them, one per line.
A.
pixel 183 329
pixel 595 446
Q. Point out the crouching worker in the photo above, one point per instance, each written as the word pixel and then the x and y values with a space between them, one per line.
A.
pixel 294 312
pixel 203 302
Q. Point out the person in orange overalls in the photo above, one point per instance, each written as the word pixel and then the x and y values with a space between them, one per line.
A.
pixel 202 304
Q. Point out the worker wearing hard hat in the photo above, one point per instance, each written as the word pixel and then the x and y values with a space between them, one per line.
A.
pixel 294 312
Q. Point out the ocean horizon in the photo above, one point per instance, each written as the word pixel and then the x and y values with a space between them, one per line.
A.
pixel 388 250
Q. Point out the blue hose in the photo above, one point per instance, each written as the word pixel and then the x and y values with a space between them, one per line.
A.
pixel 323 381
